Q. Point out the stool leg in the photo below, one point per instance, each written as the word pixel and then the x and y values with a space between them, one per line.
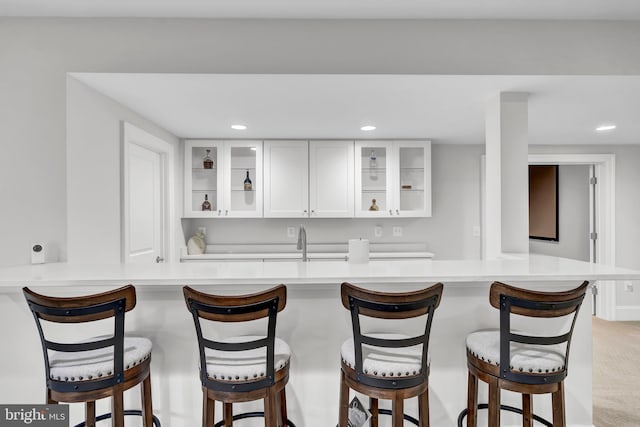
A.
pixel 283 407
pixel 117 407
pixel 472 400
pixel 423 408
pixel 397 410
pixel 494 403
pixel 49 398
pixel 527 410
pixel 90 414
pixel 147 405
pixel 208 409
pixel 270 411
pixel 344 401
pixel 228 414
pixel 373 408
pixel 557 401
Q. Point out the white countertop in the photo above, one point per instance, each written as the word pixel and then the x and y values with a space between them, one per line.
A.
pixel 518 268
pixel 298 256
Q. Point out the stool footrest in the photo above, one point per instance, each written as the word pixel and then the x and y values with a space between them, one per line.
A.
pixel 249 415
pixel 156 421
pixel 537 418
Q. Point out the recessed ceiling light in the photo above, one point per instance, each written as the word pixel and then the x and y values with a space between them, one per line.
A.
pixel 603 128
pixel 368 128
pixel 239 127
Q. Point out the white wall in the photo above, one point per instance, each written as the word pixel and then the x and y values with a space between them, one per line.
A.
pixel 36 54
pixel 448 233
pixel 94 147
pixel 573 216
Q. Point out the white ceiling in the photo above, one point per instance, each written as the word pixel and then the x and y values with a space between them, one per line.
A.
pixel 333 9
pixel 445 109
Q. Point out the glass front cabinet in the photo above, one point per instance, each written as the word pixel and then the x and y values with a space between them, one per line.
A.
pixel 393 178
pixel 223 179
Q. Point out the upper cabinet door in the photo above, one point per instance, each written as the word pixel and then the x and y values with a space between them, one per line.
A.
pixel 331 179
pixel 242 179
pixel 374 190
pixel 203 177
pixel 412 178
pixel 286 181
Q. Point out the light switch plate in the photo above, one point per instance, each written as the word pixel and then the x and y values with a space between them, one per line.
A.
pixel 291 232
pixel 397 231
pixel 377 231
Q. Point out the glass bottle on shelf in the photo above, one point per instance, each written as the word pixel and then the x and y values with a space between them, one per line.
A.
pixel 374 206
pixel 373 160
pixel 207 161
pixel 247 183
pixel 206 205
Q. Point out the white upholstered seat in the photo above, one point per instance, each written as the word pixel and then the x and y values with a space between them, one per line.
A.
pixel 485 345
pixel 245 365
pixel 385 362
pixel 94 364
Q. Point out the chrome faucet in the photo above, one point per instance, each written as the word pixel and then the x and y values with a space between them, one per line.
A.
pixel 302 242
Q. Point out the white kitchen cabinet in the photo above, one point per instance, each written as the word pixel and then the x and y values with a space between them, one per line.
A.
pixel 331 179
pixel 393 178
pixel 223 183
pixel 286 179
pixel 309 179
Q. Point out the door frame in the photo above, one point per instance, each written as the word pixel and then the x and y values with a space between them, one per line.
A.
pixel 604 207
pixel 131 134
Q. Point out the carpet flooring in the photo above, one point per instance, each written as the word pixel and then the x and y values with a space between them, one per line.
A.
pixel 616 373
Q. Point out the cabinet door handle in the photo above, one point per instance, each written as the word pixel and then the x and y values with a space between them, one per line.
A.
pixel 312 212
pixel 397 212
pixel 226 212
pixel 159 260
pixel 390 212
pixel 304 213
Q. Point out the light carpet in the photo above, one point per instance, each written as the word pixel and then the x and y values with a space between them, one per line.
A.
pixel 616 373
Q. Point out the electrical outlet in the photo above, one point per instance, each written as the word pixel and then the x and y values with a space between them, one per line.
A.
pixel 202 230
pixel 397 231
pixel 291 232
pixel 377 231
pixel 628 286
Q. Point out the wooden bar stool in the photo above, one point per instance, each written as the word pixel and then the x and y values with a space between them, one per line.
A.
pixel 390 366
pixel 100 367
pixel 522 362
pixel 238 369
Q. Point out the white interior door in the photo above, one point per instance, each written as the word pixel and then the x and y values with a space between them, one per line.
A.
pixel 145 197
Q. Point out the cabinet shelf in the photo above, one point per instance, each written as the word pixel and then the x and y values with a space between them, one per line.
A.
pixel 205 169
pixel 374 169
pixel 408 190
pixel 373 190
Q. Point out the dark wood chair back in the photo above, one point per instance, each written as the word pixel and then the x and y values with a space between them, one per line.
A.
pixel 511 300
pixel 111 304
pixel 237 308
pixel 387 305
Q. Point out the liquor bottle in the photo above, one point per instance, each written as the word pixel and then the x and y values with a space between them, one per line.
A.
pixel 373 160
pixel 247 183
pixel 374 206
pixel 206 205
pixel 207 161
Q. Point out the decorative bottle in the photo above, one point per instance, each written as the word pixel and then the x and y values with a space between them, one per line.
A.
pixel 374 206
pixel 207 161
pixel 247 183
pixel 373 160
pixel 206 205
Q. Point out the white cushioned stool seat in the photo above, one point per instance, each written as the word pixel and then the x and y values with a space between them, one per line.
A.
pixel 247 364
pixel 384 361
pixel 94 364
pixel 485 345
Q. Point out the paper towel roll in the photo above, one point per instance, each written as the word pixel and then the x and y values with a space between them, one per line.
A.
pixel 358 251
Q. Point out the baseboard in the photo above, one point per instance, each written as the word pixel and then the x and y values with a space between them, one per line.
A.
pixel 628 312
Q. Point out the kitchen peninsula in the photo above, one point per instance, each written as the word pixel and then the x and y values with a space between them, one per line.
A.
pixel 314 323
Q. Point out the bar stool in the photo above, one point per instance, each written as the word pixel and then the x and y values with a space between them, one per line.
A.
pixel 387 366
pixel 521 361
pixel 89 370
pixel 236 369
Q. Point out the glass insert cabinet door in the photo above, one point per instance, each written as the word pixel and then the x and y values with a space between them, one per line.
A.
pixel 393 178
pixel 223 179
